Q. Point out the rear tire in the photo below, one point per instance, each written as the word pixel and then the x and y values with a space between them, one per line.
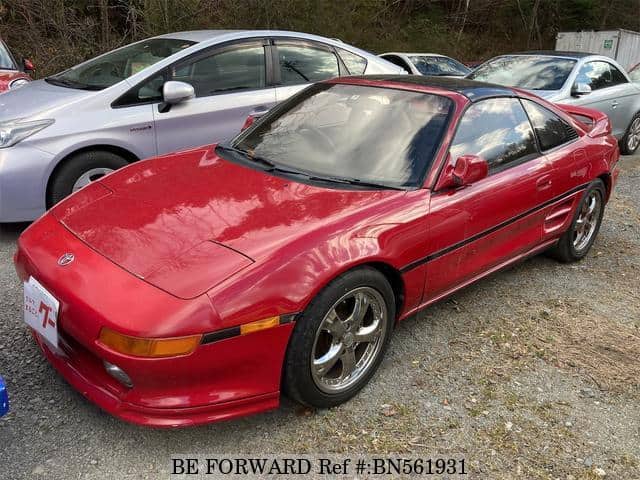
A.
pixel 80 170
pixel 631 140
pixel 336 347
pixel 576 242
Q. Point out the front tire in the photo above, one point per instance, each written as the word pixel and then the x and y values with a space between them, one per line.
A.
pixel 339 341
pixel 576 242
pixel 631 140
pixel 79 171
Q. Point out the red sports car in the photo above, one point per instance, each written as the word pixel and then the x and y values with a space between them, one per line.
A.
pixel 197 286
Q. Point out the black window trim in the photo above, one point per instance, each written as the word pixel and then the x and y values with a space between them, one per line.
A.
pixel 535 133
pixel 527 158
pixel 204 53
pixel 301 42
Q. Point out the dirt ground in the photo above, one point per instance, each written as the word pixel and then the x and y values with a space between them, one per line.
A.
pixel 531 373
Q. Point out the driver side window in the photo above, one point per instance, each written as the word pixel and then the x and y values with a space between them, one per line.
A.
pixel 237 68
pixel 497 130
pixel 600 75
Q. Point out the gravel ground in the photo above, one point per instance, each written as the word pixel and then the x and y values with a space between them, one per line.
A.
pixel 531 373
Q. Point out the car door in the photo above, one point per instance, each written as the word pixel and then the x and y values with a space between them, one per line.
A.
pixel 480 227
pixel 300 63
pixel 230 82
pixel 562 146
pixel 610 93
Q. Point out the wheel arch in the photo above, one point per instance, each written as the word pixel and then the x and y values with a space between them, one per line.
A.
pixel 128 155
pixel 606 179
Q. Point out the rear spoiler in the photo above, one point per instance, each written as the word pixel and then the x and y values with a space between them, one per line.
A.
pixel 595 123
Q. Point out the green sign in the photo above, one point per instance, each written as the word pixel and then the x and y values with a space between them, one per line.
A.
pixel 608 44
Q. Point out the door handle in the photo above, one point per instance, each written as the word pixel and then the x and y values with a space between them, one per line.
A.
pixel 614 104
pixel 543 183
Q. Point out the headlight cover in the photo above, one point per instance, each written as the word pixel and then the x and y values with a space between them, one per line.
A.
pixel 20 82
pixel 17 130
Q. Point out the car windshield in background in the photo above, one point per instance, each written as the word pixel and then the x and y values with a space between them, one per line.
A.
pixel 526 71
pixel 439 66
pixel 635 74
pixel 350 133
pixel 6 60
pixel 115 66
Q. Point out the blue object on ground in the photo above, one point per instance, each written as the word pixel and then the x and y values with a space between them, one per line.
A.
pixel 4 398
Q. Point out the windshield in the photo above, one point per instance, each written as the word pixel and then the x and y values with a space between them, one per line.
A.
pixel 113 67
pixel 6 60
pixel 635 74
pixel 526 71
pixel 354 133
pixel 438 66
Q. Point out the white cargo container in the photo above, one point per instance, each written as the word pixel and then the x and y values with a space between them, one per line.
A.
pixel 621 45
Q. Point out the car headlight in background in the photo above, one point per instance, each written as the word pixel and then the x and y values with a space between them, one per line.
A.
pixel 20 82
pixel 17 130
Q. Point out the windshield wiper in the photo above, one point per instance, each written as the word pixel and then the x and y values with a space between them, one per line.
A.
pixel 256 159
pixel 272 167
pixel 355 181
pixel 63 82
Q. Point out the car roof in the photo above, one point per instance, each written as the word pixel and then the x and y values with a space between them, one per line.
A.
pixel 553 53
pixel 413 54
pixel 471 89
pixel 197 35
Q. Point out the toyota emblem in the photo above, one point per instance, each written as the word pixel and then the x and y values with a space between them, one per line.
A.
pixel 66 259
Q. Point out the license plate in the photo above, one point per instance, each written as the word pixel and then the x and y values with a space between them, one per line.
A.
pixel 41 311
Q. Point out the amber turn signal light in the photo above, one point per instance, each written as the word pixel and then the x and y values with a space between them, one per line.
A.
pixel 259 325
pixel 148 347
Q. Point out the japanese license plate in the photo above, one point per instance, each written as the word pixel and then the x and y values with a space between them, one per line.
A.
pixel 41 311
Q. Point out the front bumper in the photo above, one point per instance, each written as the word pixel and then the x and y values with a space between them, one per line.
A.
pixel 219 380
pixel 86 376
pixel 23 177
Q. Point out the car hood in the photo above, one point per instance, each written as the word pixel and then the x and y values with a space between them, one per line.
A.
pixel 38 97
pixel 169 219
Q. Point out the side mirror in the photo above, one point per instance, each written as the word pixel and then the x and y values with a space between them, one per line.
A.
pixel 580 89
pixel 177 92
pixel 468 170
pixel 28 65
pixel 174 93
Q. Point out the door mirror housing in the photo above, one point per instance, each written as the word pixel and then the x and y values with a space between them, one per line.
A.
pixel 580 89
pixel 467 170
pixel 28 65
pixel 177 92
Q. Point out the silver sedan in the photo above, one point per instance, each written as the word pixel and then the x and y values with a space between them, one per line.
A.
pixel 592 81
pixel 156 96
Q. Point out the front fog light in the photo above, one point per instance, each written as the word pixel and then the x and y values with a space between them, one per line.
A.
pixel 119 374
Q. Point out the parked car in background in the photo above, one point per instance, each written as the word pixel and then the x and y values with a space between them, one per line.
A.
pixel 583 79
pixel 12 73
pixel 431 64
pixel 152 97
pixel 634 74
pixel 281 261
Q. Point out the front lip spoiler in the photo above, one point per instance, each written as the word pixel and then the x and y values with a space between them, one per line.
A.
pixel 157 417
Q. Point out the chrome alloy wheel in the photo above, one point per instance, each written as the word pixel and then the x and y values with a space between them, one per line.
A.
pixel 89 176
pixel 587 221
pixel 349 339
pixel 633 139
